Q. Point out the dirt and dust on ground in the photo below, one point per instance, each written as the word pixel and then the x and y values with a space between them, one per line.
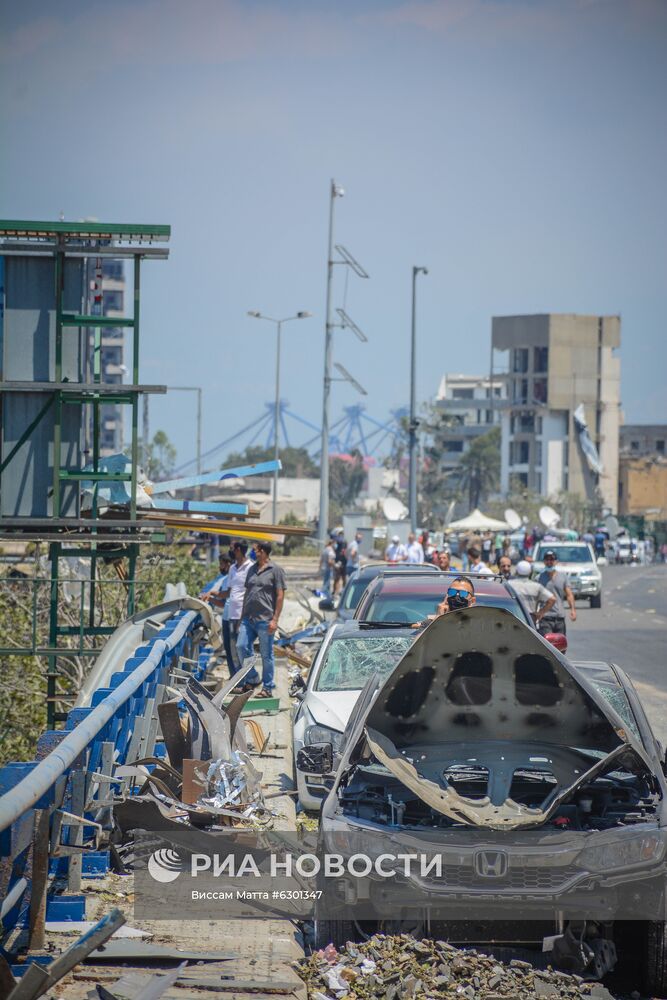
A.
pixel 399 967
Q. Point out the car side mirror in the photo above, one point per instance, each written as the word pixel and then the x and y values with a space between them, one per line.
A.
pixel 558 640
pixel 316 758
pixel 297 688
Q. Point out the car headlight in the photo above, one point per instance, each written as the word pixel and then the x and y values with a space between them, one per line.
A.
pixel 322 734
pixel 622 853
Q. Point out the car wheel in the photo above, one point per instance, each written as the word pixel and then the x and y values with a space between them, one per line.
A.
pixel 655 958
pixel 596 601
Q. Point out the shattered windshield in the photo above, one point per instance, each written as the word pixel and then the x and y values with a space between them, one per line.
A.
pixel 350 662
pixel 615 695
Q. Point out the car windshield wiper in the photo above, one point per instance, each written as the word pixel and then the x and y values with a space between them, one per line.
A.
pixel 365 624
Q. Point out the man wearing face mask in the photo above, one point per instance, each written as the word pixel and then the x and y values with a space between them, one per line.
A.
pixel 460 594
pixel 556 582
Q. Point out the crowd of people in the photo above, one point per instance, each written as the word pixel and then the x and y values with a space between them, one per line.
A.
pixel 250 591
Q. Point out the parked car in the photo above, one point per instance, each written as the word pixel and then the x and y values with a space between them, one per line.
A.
pixel 359 580
pixel 577 560
pixel 537 782
pixel 395 599
pixel 349 655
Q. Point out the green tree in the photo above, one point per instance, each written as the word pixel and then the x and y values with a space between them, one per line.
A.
pixel 480 467
pixel 159 457
pixel 296 462
pixel 346 479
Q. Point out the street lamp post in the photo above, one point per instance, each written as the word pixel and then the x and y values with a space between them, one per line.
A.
pixel 187 388
pixel 276 447
pixel 414 423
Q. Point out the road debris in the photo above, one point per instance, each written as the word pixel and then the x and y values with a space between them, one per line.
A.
pixel 398 967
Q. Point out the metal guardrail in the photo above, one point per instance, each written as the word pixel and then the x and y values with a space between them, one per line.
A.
pixel 54 809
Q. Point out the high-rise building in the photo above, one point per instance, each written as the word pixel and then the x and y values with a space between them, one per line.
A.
pixel 106 290
pixel 560 368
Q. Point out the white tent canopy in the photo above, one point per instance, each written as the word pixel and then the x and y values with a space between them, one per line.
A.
pixel 478 522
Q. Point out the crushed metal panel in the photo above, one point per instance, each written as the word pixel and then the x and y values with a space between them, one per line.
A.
pixel 460 680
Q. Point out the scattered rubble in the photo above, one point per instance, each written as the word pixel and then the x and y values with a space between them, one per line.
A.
pixel 399 967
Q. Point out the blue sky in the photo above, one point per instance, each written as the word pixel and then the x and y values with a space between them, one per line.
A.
pixel 516 148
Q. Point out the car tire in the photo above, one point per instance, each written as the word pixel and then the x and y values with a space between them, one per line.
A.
pixel 596 601
pixel 655 959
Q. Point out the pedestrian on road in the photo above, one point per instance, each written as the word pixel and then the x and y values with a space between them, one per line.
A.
pixel 262 605
pixel 540 600
pixel 556 582
pixel 505 567
pixel 396 552
pixel 443 560
pixel 235 594
pixel 327 563
pixel 475 564
pixel 415 552
pixel 340 562
pixel 354 554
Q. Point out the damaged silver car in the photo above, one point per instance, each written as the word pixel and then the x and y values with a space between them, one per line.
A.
pixel 536 784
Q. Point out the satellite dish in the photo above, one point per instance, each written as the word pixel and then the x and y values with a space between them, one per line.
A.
pixel 513 519
pixel 549 517
pixel 393 509
pixel 612 526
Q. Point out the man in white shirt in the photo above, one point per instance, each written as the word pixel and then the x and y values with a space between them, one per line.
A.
pixel 396 552
pixel 327 564
pixel 415 550
pixel 235 595
pixel 475 564
pixel 353 554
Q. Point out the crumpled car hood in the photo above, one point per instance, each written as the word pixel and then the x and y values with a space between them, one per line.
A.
pixel 480 677
pixel 481 673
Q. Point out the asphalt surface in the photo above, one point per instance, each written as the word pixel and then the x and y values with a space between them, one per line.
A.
pixel 629 629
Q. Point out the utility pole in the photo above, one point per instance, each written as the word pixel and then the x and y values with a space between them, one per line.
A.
pixel 414 423
pixel 326 389
pixel 256 314
pixel 185 388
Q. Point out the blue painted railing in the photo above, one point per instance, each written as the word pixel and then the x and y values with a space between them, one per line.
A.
pixel 94 740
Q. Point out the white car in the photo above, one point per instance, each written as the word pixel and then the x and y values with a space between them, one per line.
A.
pixel 349 655
pixel 577 561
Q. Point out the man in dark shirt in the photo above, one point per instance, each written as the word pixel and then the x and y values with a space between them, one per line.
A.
pixel 556 583
pixel 262 604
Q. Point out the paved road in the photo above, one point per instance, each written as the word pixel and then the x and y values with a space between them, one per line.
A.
pixel 630 629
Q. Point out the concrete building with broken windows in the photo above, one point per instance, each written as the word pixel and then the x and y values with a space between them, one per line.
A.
pixel 560 418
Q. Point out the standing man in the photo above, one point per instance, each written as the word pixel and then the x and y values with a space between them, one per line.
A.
pixel 540 600
pixel 415 552
pixel 354 554
pixel 340 562
pixel 475 564
pixel 396 552
pixel 262 605
pixel 556 582
pixel 327 563
pixel 505 567
pixel 234 606
pixel 443 560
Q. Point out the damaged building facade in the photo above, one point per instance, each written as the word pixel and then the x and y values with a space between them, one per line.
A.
pixel 560 421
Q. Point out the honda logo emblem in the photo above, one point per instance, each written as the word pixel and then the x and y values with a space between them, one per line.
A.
pixel 490 864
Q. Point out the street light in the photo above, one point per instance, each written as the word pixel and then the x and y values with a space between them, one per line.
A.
pixel 278 322
pixel 348 378
pixel 414 423
pixel 185 388
pixel 335 191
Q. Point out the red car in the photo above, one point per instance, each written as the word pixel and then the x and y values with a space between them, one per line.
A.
pixel 399 600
